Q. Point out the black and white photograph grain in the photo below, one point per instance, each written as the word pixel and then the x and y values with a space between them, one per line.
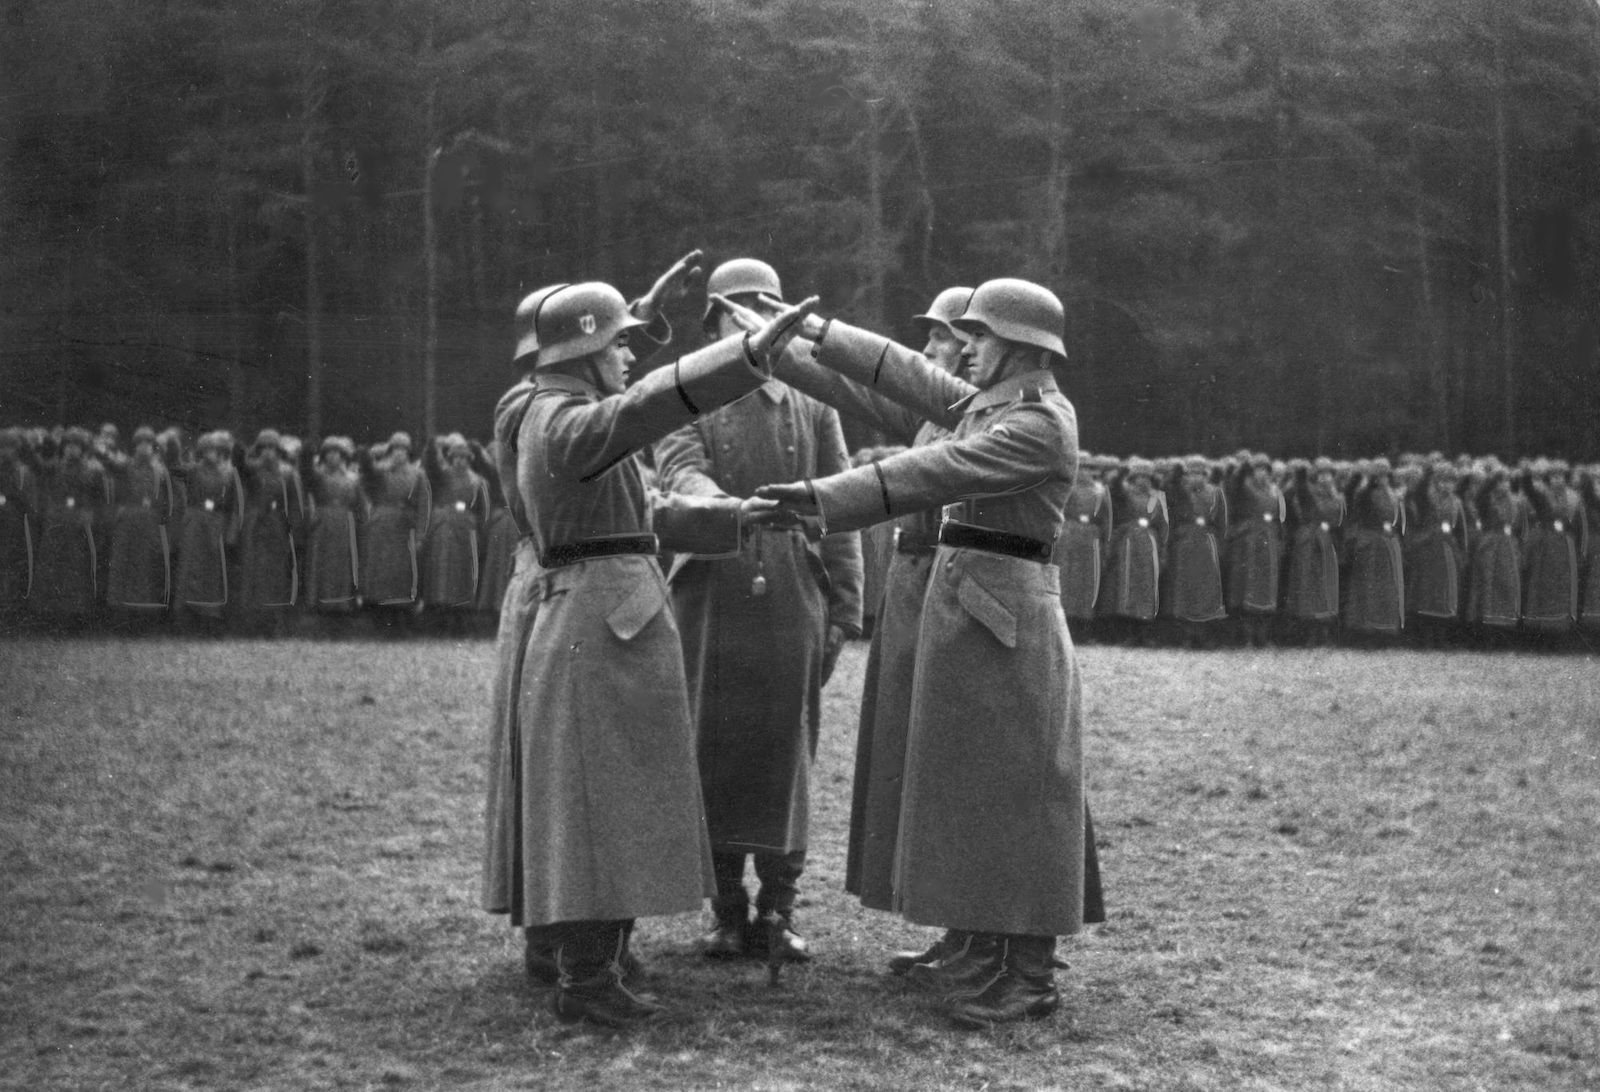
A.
pixel 800 545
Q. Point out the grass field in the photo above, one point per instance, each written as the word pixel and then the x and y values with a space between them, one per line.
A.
pixel 250 864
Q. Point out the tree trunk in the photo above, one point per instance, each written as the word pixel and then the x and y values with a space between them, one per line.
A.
pixel 1508 376
pixel 311 94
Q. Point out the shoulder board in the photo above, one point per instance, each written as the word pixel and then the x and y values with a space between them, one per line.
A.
pixel 1031 393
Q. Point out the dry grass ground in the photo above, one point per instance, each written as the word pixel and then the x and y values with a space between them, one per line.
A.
pixel 255 864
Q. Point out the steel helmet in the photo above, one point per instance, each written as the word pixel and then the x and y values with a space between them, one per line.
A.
pixel 580 319
pixel 1019 311
pixel 528 322
pixel 741 277
pixel 945 309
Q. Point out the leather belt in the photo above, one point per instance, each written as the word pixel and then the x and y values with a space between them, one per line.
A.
pixel 967 537
pixel 914 542
pixel 587 549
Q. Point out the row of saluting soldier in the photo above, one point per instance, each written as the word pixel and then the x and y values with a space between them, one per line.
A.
pixel 1359 547
pixel 222 530
pixel 1315 548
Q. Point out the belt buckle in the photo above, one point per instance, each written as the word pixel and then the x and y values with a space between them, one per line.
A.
pixel 1143 522
pixel 210 505
pixel 1083 519
pixel 461 506
pixel 1200 521
pixel 1325 526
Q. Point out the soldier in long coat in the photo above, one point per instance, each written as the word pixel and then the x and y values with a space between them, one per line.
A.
pixel 1192 578
pixel 1494 578
pixel 333 556
pixel 399 502
pixel 75 493
pixel 1080 552
pixel 451 552
pixel 500 532
pixel 1435 549
pixel 271 523
pixel 1374 586
pixel 139 577
pixel 212 510
pixel 1314 518
pixel 1254 550
pixel 1552 550
pixel 504 856
pixel 18 521
pixel 1588 481
pixel 760 633
pixel 1130 590
pixel 991 831
pixel 608 822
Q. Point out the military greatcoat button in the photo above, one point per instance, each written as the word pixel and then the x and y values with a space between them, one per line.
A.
pixel 1506 529
pixel 1387 526
pixel 145 502
pixel 210 504
pixel 2 500
pixel 1445 527
pixel 72 502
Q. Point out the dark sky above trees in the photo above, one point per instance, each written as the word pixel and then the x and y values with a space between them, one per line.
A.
pixel 1304 226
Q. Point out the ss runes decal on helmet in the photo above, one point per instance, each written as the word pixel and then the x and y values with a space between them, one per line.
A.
pixel 586 323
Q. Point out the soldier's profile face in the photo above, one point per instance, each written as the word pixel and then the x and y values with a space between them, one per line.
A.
pixel 985 356
pixel 943 349
pixel 611 365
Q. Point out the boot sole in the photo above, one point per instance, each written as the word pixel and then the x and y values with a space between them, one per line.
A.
pixel 975 1022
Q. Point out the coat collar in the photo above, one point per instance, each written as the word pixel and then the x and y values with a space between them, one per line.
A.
pixel 561 381
pixel 1007 391
pixel 775 390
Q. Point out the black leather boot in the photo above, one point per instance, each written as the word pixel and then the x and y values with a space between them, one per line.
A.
pixel 966 970
pixel 591 986
pixel 539 957
pixel 1023 989
pixel 902 962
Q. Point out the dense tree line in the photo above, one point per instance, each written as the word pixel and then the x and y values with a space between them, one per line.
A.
pixel 1305 225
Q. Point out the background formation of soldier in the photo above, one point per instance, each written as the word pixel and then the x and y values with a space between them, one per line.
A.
pixel 1191 550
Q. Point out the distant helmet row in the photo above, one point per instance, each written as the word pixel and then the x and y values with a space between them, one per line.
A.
pixel 568 321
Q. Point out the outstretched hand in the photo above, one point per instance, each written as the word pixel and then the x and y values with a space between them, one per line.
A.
pixel 776 332
pixel 760 512
pixel 797 497
pixel 673 285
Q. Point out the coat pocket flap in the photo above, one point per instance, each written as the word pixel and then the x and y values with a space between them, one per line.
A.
pixel 640 605
pixel 988 609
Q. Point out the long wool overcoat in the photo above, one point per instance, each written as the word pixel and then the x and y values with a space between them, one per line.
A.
pixel 1131 584
pixel 452 549
pixel 1081 549
pixel 211 515
pixel 1551 552
pixel 1374 584
pixel 269 553
pixel 74 495
pixel 399 502
pixel 753 626
pixel 992 817
pixel 1435 551
pixel 1316 514
pixel 884 722
pixel 1254 547
pixel 596 809
pixel 333 569
pixel 1494 577
pixel 17 531
pixel 1192 578
pixel 139 574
